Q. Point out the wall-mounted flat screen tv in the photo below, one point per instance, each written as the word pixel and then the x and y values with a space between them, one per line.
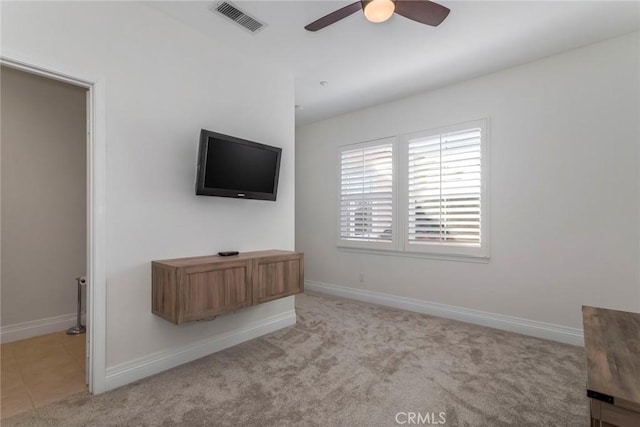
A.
pixel 234 167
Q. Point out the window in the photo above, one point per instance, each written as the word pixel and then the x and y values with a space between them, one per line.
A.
pixel 441 206
pixel 445 191
pixel 366 194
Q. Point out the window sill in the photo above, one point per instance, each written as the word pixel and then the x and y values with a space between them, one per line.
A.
pixel 404 254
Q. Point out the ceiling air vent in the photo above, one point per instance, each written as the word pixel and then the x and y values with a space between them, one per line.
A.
pixel 236 15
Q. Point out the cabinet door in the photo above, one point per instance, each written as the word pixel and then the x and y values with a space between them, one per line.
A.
pixel 209 290
pixel 277 277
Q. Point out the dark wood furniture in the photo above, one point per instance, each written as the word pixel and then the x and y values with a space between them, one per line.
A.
pixel 612 347
pixel 188 289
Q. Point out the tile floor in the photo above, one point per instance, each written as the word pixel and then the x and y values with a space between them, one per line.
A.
pixel 41 370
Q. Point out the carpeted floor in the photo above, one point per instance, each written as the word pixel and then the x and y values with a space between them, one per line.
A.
pixel 347 363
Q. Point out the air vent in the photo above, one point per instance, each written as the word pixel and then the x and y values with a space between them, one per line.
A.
pixel 236 15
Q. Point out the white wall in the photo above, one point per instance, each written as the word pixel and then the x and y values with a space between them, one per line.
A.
pixel 43 196
pixel 564 199
pixel 164 82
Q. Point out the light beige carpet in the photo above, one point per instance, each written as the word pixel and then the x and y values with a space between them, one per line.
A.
pixel 348 363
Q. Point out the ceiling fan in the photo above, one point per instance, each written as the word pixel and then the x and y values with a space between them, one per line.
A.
pixel 423 11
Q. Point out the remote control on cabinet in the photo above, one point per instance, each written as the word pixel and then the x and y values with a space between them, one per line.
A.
pixel 228 253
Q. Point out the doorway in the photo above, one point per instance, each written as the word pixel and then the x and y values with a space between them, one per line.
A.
pixel 96 203
pixel 44 142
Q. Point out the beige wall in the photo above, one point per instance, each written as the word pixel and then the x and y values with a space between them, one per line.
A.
pixel 43 176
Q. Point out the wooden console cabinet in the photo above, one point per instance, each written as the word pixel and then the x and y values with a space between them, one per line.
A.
pixel 611 344
pixel 188 289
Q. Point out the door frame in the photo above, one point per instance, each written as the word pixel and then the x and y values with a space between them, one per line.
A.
pixel 96 207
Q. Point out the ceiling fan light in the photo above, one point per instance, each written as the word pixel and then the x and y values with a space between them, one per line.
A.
pixel 378 10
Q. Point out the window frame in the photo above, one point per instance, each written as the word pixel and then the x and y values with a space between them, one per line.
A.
pixel 400 244
pixel 439 248
pixel 356 244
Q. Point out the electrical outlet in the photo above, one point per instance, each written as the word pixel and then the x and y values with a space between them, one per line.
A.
pixel 361 277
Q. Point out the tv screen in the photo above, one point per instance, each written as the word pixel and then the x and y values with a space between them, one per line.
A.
pixel 234 167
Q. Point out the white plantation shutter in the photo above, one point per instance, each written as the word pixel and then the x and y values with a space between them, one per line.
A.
pixel 445 189
pixel 366 193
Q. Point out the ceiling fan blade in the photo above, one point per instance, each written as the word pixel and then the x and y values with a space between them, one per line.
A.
pixel 334 17
pixel 423 11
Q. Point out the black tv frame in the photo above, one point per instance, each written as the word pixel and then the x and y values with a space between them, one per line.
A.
pixel 201 190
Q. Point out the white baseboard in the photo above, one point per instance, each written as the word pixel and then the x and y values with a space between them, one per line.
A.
pixel 137 369
pixel 34 328
pixel 533 328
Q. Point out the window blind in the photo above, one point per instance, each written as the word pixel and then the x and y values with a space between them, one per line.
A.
pixel 444 189
pixel 366 196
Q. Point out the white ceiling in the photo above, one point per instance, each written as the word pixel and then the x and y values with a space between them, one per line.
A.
pixel 367 64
